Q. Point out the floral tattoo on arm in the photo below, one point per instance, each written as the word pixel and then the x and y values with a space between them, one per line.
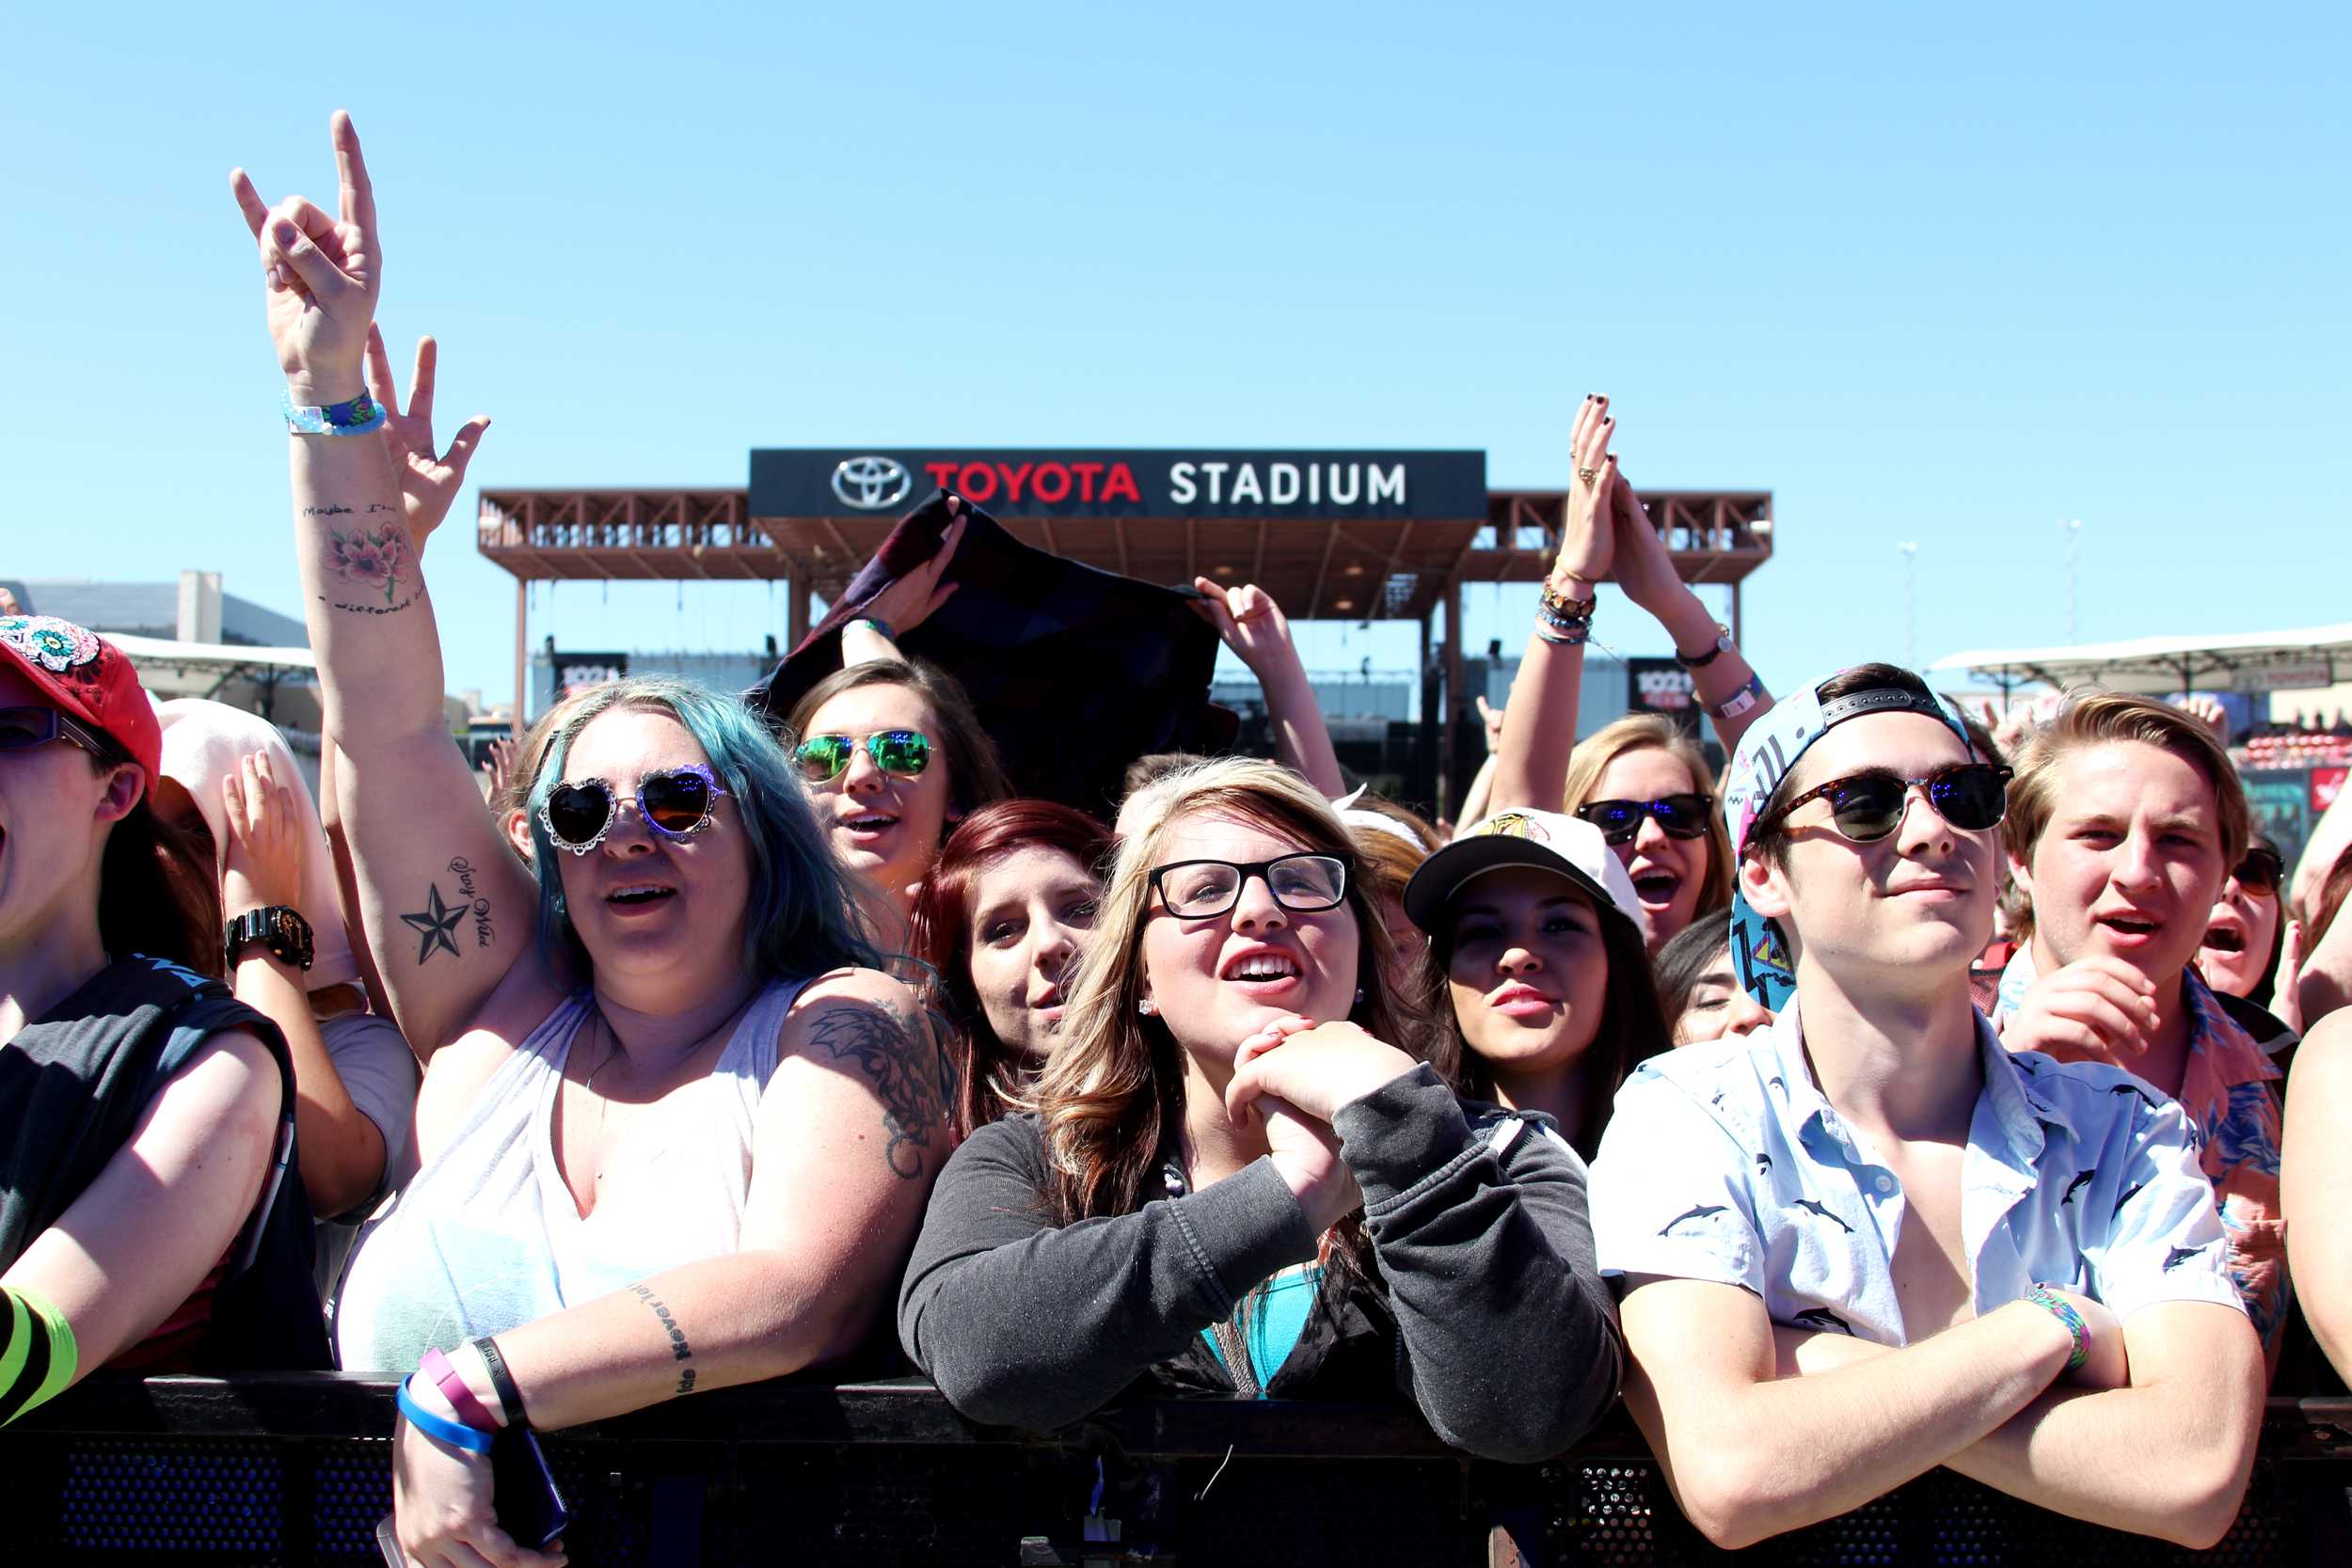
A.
pixel 887 1046
pixel 370 559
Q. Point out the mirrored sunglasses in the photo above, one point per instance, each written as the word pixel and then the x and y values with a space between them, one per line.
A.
pixel 1681 815
pixel 824 757
pixel 677 802
pixel 1866 806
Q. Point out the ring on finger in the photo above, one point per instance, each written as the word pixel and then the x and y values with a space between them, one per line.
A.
pixel 1588 476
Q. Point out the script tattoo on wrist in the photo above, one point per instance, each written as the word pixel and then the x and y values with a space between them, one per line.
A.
pixel 371 562
pixel 680 1351
pixel 887 1046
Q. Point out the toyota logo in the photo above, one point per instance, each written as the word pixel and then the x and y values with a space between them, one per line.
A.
pixel 871 483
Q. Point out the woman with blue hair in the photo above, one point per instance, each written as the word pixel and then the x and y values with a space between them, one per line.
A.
pixel 676 1132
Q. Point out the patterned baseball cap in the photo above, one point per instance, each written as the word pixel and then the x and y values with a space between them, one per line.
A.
pixel 1768 752
pixel 1547 840
pixel 89 679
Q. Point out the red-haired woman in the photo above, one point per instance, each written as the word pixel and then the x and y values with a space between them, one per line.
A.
pixel 1001 921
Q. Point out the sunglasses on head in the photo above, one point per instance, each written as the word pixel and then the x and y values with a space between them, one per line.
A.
pixel 1866 806
pixel 677 802
pixel 1683 816
pixel 2262 870
pixel 824 757
pixel 24 728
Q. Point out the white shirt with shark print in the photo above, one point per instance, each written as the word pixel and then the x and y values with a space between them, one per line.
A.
pixel 1724 1161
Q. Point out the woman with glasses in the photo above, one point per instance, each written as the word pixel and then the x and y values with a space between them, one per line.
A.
pixel 2239 956
pixel 893 757
pixel 1000 923
pixel 1640 781
pixel 1236 1181
pixel 144 1113
pixel 675 1129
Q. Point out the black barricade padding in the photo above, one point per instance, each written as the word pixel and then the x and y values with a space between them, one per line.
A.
pixel 294 1470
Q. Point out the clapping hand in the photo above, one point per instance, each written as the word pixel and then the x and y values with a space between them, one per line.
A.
pixel 428 484
pixel 324 274
pixel 1646 568
pixel 1587 537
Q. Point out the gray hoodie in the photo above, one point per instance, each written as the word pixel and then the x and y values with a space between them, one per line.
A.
pixel 1489 1311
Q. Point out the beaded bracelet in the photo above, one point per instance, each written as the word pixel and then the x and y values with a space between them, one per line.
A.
pixel 2048 1298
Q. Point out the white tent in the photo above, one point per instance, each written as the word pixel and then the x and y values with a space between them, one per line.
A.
pixel 174 668
pixel 2163 666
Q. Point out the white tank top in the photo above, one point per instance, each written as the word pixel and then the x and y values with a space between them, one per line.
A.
pixel 487 1235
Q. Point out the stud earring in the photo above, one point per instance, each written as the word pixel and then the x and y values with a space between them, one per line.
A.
pixel 1147 1007
pixel 1359 996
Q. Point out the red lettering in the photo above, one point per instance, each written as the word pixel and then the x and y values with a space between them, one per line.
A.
pixel 1014 478
pixel 942 474
pixel 1055 475
pixel 1121 485
pixel 976 482
pixel 1085 472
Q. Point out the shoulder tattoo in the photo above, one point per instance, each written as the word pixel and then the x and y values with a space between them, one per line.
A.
pixel 887 1045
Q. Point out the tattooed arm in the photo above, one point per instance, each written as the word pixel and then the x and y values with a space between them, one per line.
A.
pixel 850 1136
pixel 409 806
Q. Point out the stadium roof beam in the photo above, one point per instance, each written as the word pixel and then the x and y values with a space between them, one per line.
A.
pixel 2161 666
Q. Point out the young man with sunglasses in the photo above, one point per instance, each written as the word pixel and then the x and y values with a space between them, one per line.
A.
pixel 2125 823
pixel 1866 1241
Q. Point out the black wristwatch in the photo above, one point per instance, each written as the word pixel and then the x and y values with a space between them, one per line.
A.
pixel 280 928
pixel 1700 661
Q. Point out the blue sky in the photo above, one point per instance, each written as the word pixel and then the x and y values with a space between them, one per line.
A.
pixel 1946 275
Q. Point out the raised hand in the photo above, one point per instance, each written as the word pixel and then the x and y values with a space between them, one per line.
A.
pixel 1646 568
pixel 428 484
pixel 322 274
pixel 1491 717
pixel 2096 1009
pixel 2209 712
pixel 1587 537
pixel 263 860
pixel 1248 621
pixel 912 600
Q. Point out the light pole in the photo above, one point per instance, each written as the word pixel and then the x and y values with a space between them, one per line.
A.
pixel 2074 527
pixel 1911 603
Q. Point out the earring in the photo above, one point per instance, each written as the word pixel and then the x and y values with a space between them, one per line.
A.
pixel 1359 996
pixel 1147 1006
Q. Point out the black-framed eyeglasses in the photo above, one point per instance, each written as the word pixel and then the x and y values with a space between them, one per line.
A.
pixel 2262 870
pixel 1868 805
pixel 822 758
pixel 24 728
pixel 676 803
pixel 1679 816
pixel 1302 883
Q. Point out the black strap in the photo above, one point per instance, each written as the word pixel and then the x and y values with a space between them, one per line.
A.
pixel 503 1382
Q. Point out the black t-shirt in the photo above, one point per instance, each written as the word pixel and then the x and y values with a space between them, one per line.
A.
pixel 74 1084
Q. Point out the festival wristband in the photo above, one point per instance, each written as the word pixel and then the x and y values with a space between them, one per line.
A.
pixel 359 416
pixel 1741 701
pixel 37 1356
pixel 440 1427
pixel 452 1387
pixel 882 628
pixel 503 1382
pixel 2051 1302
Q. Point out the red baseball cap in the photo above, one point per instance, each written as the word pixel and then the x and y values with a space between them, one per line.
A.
pixel 91 680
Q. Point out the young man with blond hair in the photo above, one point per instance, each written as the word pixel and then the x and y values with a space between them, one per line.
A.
pixel 2124 821
pixel 1866 1241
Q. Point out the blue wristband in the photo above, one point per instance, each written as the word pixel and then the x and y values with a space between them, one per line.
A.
pixel 440 1428
pixel 361 416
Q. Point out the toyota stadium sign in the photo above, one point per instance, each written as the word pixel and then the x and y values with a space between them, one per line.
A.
pixel 841 483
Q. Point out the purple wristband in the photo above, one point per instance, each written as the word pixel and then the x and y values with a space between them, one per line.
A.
pixel 452 1387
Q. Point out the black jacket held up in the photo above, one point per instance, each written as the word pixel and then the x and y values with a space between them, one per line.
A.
pixel 1487 1310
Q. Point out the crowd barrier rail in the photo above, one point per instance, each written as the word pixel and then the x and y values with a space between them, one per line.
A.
pixel 294 1470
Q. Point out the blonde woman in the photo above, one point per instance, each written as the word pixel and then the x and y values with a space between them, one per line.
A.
pixel 1646 787
pixel 1236 1181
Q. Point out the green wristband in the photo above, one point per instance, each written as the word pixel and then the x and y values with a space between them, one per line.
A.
pixel 39 1357
pixel 2048 1298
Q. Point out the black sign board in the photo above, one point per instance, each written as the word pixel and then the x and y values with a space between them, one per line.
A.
pixel 886 480
pixel 575 670
pixel 1661 685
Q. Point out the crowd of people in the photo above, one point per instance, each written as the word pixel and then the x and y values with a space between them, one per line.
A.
pixel 1914 1095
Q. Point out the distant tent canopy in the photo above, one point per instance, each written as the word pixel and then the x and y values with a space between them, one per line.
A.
pixel 2167 666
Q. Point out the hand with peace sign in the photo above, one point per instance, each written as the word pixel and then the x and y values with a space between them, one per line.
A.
pixel 322 275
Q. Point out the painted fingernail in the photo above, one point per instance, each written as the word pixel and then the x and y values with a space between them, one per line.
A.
pixel 283 232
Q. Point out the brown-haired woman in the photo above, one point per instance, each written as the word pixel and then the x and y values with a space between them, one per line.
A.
pixel 1000 922
pixel 1235 1181
pixel 894 757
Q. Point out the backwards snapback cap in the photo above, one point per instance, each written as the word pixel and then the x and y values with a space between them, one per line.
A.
pixel 1767 754
pixel 1546 840
pixel 89 679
